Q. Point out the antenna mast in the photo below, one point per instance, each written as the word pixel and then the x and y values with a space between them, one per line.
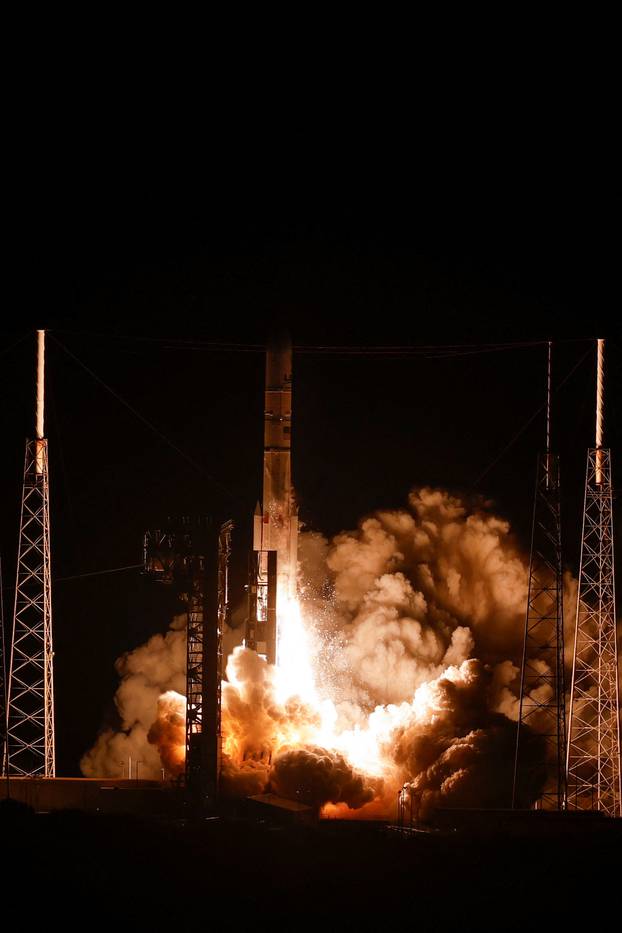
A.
pixel 600 404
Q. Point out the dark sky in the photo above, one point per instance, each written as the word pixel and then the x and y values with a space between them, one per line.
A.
pixel 135 265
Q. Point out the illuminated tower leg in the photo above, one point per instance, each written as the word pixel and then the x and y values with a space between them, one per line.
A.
pixel 30 732
pixel 594 731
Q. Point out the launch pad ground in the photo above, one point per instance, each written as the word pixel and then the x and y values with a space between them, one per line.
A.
pixel 237 874
pixel 100 795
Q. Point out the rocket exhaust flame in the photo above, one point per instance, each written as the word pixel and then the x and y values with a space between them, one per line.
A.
pixel 403 675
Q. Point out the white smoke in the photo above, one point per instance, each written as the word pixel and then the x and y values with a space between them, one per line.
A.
pixel 415 592
pixel 146 673
pixel 419 619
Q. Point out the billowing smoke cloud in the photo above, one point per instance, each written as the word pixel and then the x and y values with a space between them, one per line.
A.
pixel 415 595
pixel 317 776
pixel 399 610
pixel 168 732
pixel 463 754
pixel 415 592
pixel 146 673
pixel 255 723
pixel 243 778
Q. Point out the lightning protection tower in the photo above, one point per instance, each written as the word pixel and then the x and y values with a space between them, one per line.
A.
pixel 542 717
pixel 593 760
pixel 30 726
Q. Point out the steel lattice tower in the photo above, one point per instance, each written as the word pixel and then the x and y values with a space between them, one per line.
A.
pixel 30 727
pixel 593 760
pixel 194 557
pixel 208 606
pixel 4 685
pixel 542 714
pixel 194 669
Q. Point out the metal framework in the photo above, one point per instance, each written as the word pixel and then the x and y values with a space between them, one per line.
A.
pixel 542 707
pixel 539 765
pixel 4 685
pixel 224 612
pixel 593 761
pixel 30 718
pixel 30 728
pixel 195 558
pixel 195 605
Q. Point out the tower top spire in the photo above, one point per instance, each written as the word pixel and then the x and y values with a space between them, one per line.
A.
pixel 600 408
pixel 548 417
pixel 40 384
pixel 600 393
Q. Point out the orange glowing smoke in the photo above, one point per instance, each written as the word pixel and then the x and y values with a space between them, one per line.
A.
pixel 377 684
pixel 168 733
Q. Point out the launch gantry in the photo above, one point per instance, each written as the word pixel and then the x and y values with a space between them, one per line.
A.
pixel 193 556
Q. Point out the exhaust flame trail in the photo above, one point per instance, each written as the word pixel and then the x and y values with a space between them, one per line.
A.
pixel 294 673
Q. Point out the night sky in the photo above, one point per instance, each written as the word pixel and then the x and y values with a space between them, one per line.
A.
pixel 137 268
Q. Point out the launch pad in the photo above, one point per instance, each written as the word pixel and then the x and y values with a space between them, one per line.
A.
pixel 96 795
pixel 196 562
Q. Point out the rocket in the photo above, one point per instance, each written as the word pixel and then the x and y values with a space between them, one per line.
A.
pixel 276 518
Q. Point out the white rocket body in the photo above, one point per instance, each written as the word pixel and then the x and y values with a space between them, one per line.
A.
pixel 276 520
